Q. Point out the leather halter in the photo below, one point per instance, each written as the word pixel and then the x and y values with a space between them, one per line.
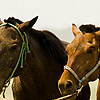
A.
pixel 85 76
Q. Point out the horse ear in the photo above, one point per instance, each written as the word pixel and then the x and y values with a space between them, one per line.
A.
pixel 27 25
pixel 98 35
pixel 75 30
pixel 1 22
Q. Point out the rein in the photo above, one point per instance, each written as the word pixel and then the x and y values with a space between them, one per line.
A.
pixel 24 49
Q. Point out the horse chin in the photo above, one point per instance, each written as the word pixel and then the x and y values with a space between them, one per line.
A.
pixel 68 95
pixel 65 93
pixel 69 92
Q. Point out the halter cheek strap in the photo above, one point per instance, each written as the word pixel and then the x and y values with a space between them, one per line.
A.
pixel 84 77
pixel 72 72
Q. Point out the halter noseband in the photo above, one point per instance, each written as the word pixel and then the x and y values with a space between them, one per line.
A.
pixel 84 77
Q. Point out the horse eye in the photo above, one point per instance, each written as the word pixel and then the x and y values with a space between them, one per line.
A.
pixel 14 47
pixel 91 51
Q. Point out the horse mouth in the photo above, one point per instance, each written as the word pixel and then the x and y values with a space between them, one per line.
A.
pixel 65 92
pixel 71 96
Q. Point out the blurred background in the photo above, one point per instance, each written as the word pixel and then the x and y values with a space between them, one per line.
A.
pixel 56 16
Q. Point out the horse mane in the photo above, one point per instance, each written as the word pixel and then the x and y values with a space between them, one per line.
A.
pixel 89 28
pixel 48 41
pixel 54 46
pixel 13 21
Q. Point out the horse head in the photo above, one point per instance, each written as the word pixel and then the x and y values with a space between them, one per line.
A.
pixel 11 40
pixel 83 59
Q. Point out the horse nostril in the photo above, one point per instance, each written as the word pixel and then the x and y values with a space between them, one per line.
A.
pixel 61 86
pixel 69 84
pixel 65 86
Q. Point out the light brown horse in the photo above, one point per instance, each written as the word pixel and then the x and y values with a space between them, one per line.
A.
pixel 83 60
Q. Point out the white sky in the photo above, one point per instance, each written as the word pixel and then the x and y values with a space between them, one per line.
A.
pixel 53 14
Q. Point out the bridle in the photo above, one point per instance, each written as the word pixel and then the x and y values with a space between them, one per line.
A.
pixel 24 49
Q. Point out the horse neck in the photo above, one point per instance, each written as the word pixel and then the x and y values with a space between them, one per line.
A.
pixel 33 66
pixel 39 70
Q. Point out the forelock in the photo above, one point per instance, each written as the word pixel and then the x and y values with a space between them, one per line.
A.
pixel 89 28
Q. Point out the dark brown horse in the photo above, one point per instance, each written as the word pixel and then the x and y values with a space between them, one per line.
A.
pixel 83 61
pixel 42 67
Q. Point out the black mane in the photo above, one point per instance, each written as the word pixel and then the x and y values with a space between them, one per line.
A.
pixel 13 21
pixel 89 28
pixel 53 46
pixel 47 40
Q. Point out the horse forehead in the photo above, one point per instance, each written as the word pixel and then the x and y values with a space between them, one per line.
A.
pixel 82 41
pixel 7 32
pixel 89 37
pixel 78 40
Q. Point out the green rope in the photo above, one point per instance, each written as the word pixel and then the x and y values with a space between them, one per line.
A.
pixel 23 50
pixel 17 30
pixel 19 59
pixel 26 42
